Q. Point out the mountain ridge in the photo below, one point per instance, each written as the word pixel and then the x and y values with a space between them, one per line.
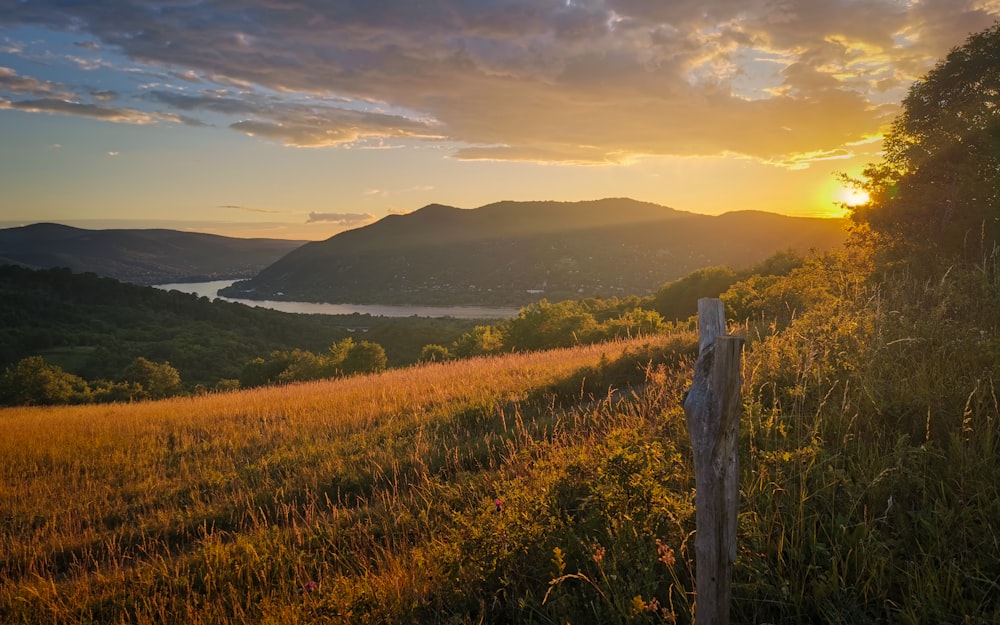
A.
pixel 140 256
pixel 513 253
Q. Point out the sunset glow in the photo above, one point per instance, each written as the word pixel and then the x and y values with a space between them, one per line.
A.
pixel 853 197
pixel 302 121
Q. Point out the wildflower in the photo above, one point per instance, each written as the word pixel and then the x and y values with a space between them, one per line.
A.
pixel 559 560
pixel 499 505
pixel 638 605
pixel 598 553
pixel 666 554
pixel 309 586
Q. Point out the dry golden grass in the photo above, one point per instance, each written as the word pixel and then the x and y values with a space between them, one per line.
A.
pixel 98 501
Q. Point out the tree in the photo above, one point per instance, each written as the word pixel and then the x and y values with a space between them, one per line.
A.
pixel 638 322
pixel 158 380
pixel 34 382
pixel 258 372
pixel 480 340
pixel 678 300
pixel 106 391
pixel 936 192
pixel 543 325
pixel 302 366
pixel 364 357
pixel 432 352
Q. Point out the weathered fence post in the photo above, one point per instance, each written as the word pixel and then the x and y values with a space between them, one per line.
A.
pixel 713 407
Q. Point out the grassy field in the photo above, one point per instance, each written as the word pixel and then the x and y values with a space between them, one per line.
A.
pixel 552 487
pixel 352 499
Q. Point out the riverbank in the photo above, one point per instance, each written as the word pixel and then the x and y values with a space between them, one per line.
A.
pixel 211 289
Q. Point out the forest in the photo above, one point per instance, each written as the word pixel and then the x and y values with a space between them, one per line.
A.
pixel 541 483
pixel 80 338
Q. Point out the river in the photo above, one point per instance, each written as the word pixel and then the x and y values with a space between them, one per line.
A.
pixel 211 290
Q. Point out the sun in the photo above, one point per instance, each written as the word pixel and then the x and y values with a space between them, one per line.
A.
pixel 852 197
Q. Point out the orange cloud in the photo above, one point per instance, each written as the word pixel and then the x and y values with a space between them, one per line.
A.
pixel 595 81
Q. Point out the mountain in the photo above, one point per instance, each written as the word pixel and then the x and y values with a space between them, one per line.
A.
pixel 513 253
pixel 145 257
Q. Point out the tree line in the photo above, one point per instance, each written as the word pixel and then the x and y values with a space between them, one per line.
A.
pixel 92 339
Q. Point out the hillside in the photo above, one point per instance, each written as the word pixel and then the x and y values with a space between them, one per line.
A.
pixel 94 327
pixel 310 503
pixel 513 253
pixel 545 487
pixel 154 256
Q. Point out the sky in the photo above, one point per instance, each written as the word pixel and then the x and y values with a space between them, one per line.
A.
pixel 302 118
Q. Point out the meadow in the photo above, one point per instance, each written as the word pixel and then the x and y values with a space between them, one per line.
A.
pixel 548 487
pixel 356 499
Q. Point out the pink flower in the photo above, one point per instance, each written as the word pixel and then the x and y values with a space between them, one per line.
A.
pixel 499 505
pixel 309 586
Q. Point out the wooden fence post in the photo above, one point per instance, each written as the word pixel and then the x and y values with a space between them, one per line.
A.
pixel 712 407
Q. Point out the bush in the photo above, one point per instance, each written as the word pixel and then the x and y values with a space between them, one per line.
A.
pixel 34 382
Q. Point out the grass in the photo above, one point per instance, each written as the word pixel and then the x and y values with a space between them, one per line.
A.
pixel 870 481
pixel 553 487
pixel 331 500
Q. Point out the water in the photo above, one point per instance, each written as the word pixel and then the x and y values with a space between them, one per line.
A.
pixel 211 289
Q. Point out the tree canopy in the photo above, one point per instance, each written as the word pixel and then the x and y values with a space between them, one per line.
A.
pixel 34 382
pixel 936 193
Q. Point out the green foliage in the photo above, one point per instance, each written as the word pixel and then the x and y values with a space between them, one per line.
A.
pixel 634 323
pixel 481 340
pixel 106 391
pixel 343 358
pixel 434 353
pixel 546 326
pixel 34 382
pixel 363 357
pixel 95 328
pixel 774 300
pixel 154 380
pixel 870 447
pixel 934 197
pixel 302 366
pixel 678 300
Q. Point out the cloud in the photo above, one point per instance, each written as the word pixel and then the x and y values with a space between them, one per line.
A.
pixel 340 219
pixel 335 127
pixel 250 209
pixel 11 82
pixel 313 124
pixel 588 81
pixel 208 102
pixel 803 161
pixel 94 111
pixel 113 154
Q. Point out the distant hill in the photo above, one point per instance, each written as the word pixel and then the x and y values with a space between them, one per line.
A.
pixel 513 253
pixel 94 327
pixel 144 257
